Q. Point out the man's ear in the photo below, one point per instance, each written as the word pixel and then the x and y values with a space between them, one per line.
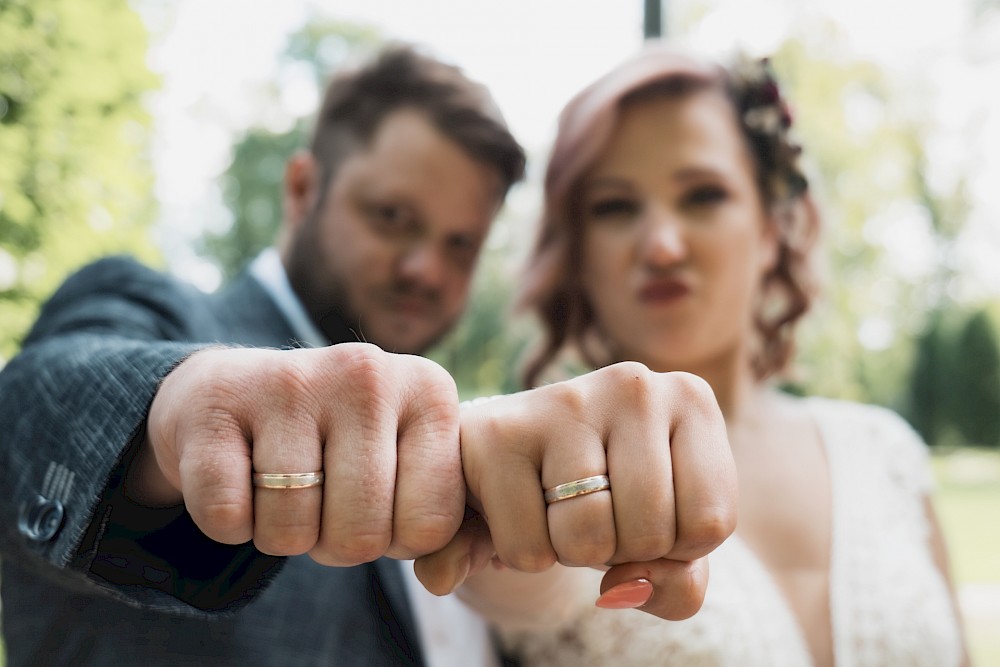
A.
pixel 301 188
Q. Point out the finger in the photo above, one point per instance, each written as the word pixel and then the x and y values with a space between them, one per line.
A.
pixel 468 553
pixel 501 458
pixel 198 440
pixel 669 589
pixel 287 440
pixel 430 485
pixel 705 484
pixel 582 529
pixel 359 457
pixel 215 482
pixel 210 444
pixel 642 475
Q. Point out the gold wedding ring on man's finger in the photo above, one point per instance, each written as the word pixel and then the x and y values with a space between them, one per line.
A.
pixel 579 487
pixel 292 480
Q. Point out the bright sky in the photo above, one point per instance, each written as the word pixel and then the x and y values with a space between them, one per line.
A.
pixel 221 71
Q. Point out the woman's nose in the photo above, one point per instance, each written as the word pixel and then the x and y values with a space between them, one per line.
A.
pixel 664 241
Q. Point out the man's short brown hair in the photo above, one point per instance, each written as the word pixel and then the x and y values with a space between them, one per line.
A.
pixel 401 77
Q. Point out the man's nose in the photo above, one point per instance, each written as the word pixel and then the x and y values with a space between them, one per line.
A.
pixel 423 263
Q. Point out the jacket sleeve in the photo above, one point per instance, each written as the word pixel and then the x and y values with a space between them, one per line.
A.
pixel 73 406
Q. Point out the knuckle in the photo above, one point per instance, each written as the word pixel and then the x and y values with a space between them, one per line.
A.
pixel 688 594
pixel 426 535
pixel 693 390
pixel 363 367
pixel 587 553
pixel 630 372
pixel 645 547
pixel 287 379
pixel 634 381
pixel 284 544
pixel 531 560
pixel 571 399
pixel 433 399
pixel 433 374
pixel 222 519
pixel 708 530
pixel 224 514
pixel 352 549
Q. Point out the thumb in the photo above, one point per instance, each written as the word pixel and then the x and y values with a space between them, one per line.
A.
pixel 467 554
pixel 670 589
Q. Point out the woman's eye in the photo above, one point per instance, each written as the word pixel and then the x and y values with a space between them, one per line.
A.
pixel 609 208
pixel 705 195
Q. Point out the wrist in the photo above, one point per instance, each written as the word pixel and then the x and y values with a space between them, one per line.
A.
pixel 145 482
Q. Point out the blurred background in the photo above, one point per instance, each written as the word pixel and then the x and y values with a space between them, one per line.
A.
pixel 161 129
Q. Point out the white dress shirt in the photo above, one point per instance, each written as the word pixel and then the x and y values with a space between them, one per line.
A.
pixel 450 633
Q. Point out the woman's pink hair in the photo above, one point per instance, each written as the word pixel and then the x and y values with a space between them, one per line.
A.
pixel 552 287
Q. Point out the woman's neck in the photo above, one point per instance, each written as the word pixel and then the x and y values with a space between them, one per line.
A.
pixel 732 381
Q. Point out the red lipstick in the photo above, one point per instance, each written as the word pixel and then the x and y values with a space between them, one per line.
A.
pixel 663 291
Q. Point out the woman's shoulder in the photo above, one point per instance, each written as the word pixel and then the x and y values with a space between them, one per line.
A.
pixel 847 408
pixel 877 420
pixel 845 414
pixel 874 432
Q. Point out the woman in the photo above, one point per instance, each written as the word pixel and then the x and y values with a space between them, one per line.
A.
pixel 677 232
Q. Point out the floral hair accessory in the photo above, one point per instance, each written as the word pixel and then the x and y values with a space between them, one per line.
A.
pixel 764 108
pixel 767 121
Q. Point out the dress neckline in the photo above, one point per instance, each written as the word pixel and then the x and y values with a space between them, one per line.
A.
pixel 781 600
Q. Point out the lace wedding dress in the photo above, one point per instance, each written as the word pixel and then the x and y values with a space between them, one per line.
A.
pixel 889 605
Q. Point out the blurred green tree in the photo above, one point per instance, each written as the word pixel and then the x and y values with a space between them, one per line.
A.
pixel 930 380
pixel 251 190
pixel 867 144
pixel 75 180
pixel 977 374
pixel 483 350
pixel 251 185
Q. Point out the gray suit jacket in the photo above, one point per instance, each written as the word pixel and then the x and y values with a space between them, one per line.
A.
pixel 89 578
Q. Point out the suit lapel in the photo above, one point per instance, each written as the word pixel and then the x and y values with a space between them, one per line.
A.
pixel 394 588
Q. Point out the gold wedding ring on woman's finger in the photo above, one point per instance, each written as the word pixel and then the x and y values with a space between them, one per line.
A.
pixel 293 480
pixel 580 487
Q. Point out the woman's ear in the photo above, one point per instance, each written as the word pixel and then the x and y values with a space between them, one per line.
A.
pixel 301 188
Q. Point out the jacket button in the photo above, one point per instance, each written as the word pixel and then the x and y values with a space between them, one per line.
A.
pixel 41 519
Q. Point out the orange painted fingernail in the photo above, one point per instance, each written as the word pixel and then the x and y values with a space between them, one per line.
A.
pixel 628 595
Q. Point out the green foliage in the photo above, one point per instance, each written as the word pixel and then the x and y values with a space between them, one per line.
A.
pixel 867 157
pixel 251 189
pixel 251 185
pixel 967 501
pixel 927 410
pixel 325 45
pixel 955 380
pixel 481 353
pixel 977 374
pixel 75 182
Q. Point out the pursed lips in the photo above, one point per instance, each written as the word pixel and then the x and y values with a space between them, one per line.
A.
pixel 664 291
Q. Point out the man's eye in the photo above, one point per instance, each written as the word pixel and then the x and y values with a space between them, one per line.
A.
pixel 463 251
pixel 390 217
pixel 611 208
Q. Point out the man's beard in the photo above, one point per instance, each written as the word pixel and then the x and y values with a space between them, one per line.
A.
pixel 328 303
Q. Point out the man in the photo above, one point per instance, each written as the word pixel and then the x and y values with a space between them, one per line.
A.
pixel 170 500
